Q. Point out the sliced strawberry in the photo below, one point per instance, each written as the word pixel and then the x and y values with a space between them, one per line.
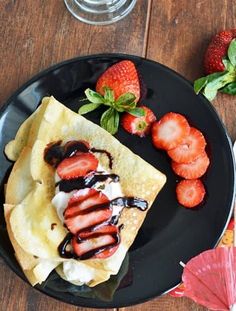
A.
pixel 190 193
pixel 191 147
pixel 194 169
pixel 77 165
pixel 100 243
pixel 79 203
pixel 138 125
pixel 121 77
pixel 100 230
pixel 83 221
pixel 107 252
pixel 170 131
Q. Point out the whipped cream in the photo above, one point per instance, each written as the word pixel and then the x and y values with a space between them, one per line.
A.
pixel 77 272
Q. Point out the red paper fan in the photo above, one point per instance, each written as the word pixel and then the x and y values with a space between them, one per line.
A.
pixel 210 278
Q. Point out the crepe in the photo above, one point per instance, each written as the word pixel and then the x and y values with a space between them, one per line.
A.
pixel 28 209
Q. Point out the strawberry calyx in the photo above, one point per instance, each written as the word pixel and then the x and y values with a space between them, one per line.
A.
pixel 110 118
pixel 223 81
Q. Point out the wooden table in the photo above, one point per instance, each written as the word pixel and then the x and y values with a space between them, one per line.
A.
pixel 37 34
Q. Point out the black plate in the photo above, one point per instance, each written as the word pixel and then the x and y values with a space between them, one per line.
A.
pixel 170 233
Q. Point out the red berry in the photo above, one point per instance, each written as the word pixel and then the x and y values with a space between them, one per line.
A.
pixel 217 49
pixel 121 78
pixel 103 240
pixel 79 203
pixel 170 131
pixel 83 221
pixel 138 125
pixel 190 193
pixel 190 149
pixel 194 169
pixel 77 165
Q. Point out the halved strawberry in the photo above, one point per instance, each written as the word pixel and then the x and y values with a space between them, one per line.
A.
pixel 79 203
pixel 138 125
pixel 191 147
pixel 100 243
pixel 77 165
pixel 190 193
pixel 194 169
pixel 82 221
pixel 122 78
pixel 170 131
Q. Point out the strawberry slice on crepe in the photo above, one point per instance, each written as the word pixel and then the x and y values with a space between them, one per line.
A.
pixel 77 166
pixel 83 200
pixel 90 210
pixel 102 242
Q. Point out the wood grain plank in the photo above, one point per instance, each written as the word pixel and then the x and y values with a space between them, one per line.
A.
pixel 37 34
pixel 16 295
pixel 179 34
pixel 167 303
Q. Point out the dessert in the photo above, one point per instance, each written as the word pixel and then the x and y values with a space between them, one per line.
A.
pixel 76 197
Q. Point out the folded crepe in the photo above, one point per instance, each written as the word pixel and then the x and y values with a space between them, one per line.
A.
pixel 33 224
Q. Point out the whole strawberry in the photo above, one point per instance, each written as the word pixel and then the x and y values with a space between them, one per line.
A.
pixel 118 88
pixel 217 50
pixel 219 65
pixel 122 78
pixel 138 125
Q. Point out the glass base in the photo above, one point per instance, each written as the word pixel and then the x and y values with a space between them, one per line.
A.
pixel 99 12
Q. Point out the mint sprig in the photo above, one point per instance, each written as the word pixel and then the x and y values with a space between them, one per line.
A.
pixel 110 118
pixel 224 81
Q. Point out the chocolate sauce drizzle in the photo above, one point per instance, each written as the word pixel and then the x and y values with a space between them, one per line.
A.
pixel 54 153
pixel 110 158
pixel 87 181
pixel 64 253
pixel 95 251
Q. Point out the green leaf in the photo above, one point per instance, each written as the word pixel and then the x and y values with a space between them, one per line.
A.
pixel 137 112
pixel 110 120
pixel 199 84
pixel 126 101
pixel 232 52
pixel 228 65
pixel 217 83
pixel 229 89
pixel 109 95
pixel 210 84
pixel 94 97
pixel 88 108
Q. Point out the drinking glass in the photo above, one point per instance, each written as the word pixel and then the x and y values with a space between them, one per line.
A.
pixel 99 12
